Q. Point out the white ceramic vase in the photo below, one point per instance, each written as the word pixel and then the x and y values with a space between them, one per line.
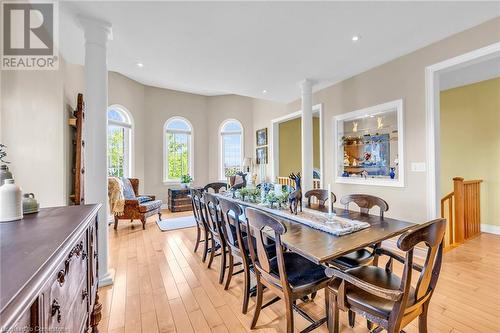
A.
pixel 11 208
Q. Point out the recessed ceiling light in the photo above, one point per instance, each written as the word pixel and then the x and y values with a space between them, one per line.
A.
pixel 264 91
pixel 140 64
pixel 355 38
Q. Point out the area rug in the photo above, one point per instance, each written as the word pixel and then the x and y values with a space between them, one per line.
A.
pixel 176 223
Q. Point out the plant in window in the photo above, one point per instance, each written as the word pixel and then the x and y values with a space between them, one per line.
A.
pixel 186 179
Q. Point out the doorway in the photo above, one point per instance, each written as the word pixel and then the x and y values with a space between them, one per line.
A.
pixel 477 66
pixel 289 124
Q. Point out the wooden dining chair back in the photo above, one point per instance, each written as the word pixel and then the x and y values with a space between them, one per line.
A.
pixel 257 222
pixel 216 187
pixel 289 275
pixel 214 223
pixel 237 243
pixel 201 222
pixel 321 197
pixel 365 202
pixel 384 298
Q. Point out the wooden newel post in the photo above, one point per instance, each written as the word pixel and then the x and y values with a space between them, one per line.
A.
pixel 458 189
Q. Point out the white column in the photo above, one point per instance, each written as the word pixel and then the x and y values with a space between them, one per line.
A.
pixel 97 34
pixel 307 135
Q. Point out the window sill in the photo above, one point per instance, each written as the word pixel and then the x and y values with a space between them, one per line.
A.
pixel 171 182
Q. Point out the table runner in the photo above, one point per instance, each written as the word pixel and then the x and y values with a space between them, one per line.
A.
pixel 338 226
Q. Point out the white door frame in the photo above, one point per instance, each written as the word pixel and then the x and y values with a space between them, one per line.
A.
pixel 432 74
pixel 274 144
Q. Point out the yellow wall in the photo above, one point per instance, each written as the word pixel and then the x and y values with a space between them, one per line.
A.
pixel 290 149
pixel 470 141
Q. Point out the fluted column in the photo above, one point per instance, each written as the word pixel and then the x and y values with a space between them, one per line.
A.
pixel 307 135
pixel 97 34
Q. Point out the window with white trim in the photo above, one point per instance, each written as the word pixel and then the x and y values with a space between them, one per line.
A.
pixel 231 143
pixel 178 147
pixel 119 142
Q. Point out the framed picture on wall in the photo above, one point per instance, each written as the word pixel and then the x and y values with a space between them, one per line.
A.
pixel 261 136
pixel 261 154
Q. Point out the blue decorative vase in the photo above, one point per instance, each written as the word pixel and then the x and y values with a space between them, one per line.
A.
pixel 345 174
pixel 392 174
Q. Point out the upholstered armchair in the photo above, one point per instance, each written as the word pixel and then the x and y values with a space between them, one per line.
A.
pixel 137 207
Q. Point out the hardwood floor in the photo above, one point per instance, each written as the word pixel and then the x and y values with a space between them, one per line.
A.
pixel 162 286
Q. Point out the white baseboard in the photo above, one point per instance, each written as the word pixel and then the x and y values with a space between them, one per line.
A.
pixel 164 206
pixel 491 229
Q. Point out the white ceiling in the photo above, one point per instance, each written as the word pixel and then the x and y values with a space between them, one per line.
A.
pixel 246 47
pixel 472 73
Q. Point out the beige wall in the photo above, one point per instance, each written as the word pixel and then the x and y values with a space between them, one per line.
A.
pixel 404 78
pixel 290 146
pixel 32 127
pixel 473 112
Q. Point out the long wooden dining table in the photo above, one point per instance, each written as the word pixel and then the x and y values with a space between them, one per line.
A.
pixel 320 246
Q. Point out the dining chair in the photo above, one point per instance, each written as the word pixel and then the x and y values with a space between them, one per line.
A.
pixel 214 223
pixel 237 241
pixel 381 296
pixel 363 256
pixel 216 187
pixel 288 275
pixel 320 195
pixel 201 222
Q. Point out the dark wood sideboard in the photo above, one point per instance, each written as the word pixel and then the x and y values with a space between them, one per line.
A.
pixel 179 200
pixel 48 267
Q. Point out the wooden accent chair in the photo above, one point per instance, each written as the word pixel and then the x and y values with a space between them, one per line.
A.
pixel 201 222
pixel 363 256
pixel 237 242
pixel 216 187
pixel 385 299
pixel 288 275
pixel 214 224
pixel 137 207
pixel 320 195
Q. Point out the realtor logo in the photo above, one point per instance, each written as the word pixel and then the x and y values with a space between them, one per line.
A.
pixel 29 36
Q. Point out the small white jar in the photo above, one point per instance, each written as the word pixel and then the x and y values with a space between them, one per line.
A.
pixel 11 208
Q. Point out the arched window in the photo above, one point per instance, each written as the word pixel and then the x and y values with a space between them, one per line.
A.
pixel 178 148
pixel 231 134
pixel 119 142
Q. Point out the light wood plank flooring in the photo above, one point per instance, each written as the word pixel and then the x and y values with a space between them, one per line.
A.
pixel 160 285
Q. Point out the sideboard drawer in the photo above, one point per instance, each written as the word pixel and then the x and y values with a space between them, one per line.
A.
pixel 66 287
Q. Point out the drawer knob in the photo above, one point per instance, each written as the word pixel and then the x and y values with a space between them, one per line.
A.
pixel 56 309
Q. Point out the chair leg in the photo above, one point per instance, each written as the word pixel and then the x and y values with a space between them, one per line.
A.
pixel 159 216
pixel 205 247
pixel 422 319
pixel 222 263
pixel 352 318
pixel 116 222
pixel 143 220
pixel 212 254
pixel 333 313
pixel 289 314
pixel 327 307
pixel 246 295
pixel 198 235
pixel 258 304
pixel 313 295
pixel 230 270
pixel 369 325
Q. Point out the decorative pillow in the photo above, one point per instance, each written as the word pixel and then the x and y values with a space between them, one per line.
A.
pixel 143 198
pixel 128 190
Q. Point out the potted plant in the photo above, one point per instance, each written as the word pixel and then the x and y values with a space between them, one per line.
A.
pixel 186 181
pixel 4 170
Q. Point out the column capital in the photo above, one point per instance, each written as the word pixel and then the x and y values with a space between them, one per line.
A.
pixel 306 85
pixel 95 31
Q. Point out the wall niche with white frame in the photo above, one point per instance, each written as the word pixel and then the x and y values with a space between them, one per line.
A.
pixel 369 148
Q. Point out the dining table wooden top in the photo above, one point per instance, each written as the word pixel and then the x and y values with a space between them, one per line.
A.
pixel 320 246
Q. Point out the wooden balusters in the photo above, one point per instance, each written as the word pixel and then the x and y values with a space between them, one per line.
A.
pixel 289 182
pixel 462 209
